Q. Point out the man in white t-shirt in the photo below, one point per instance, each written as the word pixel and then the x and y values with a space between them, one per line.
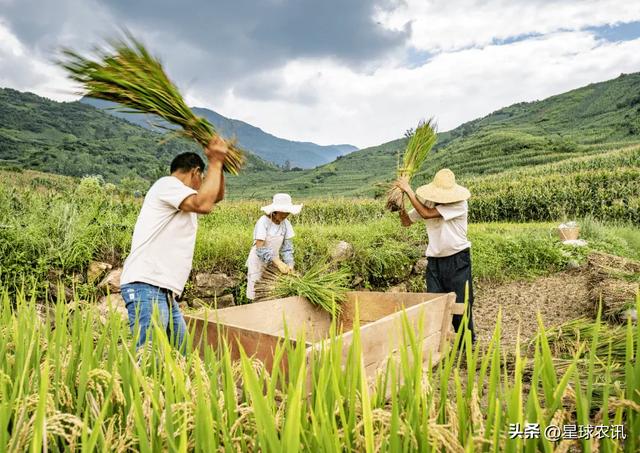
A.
pixel 442 205
pixel 164 238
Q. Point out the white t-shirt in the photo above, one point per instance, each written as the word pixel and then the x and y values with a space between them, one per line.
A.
pixel 163 239
pixel 447 234
pixel 265 227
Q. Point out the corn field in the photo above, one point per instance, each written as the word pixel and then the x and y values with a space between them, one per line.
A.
pixel 605 194
pixel 71 380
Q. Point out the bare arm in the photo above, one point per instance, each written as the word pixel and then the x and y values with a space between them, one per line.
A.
pixel 405 220
pixel 212 189
pixel 221 191
pixel 425 213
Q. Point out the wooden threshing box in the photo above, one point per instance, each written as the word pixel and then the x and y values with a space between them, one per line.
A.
pixel 259 326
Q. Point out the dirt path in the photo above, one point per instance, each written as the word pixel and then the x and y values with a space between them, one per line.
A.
pixel 558 298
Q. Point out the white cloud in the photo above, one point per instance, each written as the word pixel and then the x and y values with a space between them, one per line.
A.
pixel 21 70
pixel 444 25
pixel 323 100
pixel 454 87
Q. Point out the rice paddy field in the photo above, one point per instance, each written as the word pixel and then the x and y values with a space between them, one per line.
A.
pixel 72 380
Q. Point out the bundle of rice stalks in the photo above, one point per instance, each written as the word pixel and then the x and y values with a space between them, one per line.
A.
pixel 318 285
pixel 606 260
pixel 127 74
pixel 617 297
pixel 577 335
pixel 614 282
pixel 415 154
pixel 576 338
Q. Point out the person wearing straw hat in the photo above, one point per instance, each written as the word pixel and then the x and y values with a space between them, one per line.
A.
pixel 442 205
pixel 272 240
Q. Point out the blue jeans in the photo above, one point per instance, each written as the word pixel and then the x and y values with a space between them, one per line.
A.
pixel 140 300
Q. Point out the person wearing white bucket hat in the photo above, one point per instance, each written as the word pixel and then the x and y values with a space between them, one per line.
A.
pixel 272 240
pixel 442 205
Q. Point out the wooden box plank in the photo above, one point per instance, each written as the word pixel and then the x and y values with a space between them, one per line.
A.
pixel 257 328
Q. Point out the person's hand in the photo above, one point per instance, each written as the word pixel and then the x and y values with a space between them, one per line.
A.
pixel 282 267
pixel 216 150
pixel 404 218
pixel 291 270
pixel 403 185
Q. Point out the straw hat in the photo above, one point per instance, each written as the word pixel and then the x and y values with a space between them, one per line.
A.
pixel 443 189
pixel 282 203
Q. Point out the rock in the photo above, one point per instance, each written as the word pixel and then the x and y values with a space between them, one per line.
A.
pixel 111 283
pixel 54 274
pixel 573 264
pixel 96 270
pixel 575 242
pixel 226 301
pixel 46 313
pixel 631 314
pixel 214 302
pixel 208 285
pixel 356 281
pixel 341 252
pixel 421 266
pixel 58 289
pixel 400 288
pixel 112 302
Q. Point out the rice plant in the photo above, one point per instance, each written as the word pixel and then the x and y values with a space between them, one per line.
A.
pixel 72 380
pixel 418 148
pixel 126 73
pixel 320 286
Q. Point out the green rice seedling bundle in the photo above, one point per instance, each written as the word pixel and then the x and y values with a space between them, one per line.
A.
pixel 321 287
pixel 127 74
pixel 414 157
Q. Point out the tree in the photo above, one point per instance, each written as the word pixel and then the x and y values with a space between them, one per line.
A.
pixel 133 184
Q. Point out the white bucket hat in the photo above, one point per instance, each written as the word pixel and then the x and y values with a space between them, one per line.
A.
pixel 282 203
pixel 443 189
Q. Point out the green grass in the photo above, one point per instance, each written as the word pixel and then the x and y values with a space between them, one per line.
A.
pixel 52 228
pixel 618 239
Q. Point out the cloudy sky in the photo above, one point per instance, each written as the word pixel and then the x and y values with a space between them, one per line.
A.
pixel 338 71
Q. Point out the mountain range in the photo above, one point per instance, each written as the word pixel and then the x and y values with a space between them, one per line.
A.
pixel 75 138
pixel 282 152
pixel 581 122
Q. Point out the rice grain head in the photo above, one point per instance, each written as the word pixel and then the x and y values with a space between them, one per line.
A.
pixel 126 73
pixel 414 157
